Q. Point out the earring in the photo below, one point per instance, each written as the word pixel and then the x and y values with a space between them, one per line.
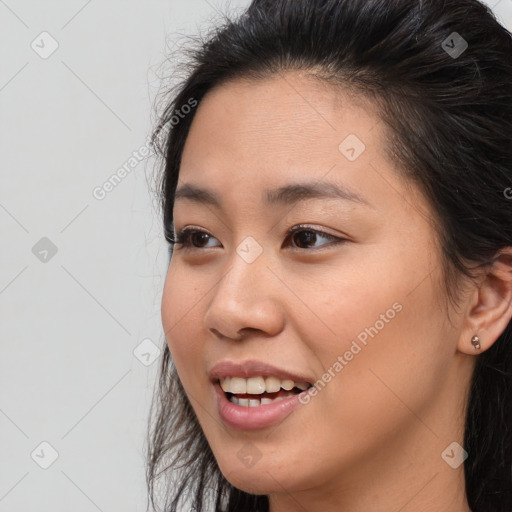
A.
pixel 475 340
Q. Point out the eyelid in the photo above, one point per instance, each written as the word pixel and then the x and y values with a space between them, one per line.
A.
pixel 309 227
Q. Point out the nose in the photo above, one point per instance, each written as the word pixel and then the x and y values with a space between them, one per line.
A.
pixel 246 299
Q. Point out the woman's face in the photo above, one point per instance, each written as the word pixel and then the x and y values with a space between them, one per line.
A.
pixel 351 300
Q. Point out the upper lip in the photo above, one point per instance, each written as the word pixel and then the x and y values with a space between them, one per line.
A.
pixel 253 368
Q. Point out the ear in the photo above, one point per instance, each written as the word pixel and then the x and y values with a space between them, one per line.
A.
pixel 490 305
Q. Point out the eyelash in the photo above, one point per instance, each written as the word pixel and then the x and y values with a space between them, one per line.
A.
pixel 183 237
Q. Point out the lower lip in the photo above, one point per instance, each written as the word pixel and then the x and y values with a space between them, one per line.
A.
pixel 252 418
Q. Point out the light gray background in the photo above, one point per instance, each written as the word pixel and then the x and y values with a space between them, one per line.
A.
pixel 69 325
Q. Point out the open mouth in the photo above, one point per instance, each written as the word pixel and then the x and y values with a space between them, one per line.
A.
pixel 257 391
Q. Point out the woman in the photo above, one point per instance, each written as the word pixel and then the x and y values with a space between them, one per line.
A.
pixel 337 308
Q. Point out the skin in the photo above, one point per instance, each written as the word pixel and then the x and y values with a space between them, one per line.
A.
pixel 372 438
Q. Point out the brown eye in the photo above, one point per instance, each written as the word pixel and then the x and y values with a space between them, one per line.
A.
pixel 301 237
pixel 190 238
pixel 304 238
pixel 200 237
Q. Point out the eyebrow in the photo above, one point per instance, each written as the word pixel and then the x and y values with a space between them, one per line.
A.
pixel 285 195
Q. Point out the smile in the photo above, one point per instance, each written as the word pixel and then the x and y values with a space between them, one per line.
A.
pixel 258 391
pixel 253 394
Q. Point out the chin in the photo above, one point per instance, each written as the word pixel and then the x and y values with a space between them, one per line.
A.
pixel 262 478
pixel 253 481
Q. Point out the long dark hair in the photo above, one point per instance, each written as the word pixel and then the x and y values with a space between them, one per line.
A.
pixel 448 109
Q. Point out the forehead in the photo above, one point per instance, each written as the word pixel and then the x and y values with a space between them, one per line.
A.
pixel 281 116
pixel 252 135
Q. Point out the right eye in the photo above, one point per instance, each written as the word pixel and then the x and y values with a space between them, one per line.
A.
pixel 191 238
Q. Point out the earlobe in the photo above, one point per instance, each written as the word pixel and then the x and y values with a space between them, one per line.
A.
pixel 491 310
pixel 475 341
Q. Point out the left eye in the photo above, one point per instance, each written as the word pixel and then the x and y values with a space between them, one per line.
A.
pixel 302 238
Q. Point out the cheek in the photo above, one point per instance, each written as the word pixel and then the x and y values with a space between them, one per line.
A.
pixel 343 304
pixel 369 294
pixel 378 336
pixel 181 320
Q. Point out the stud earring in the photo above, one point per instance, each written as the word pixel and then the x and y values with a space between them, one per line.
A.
pixel 475 340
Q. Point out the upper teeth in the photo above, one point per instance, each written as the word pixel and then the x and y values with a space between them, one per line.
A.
pixel 258 385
